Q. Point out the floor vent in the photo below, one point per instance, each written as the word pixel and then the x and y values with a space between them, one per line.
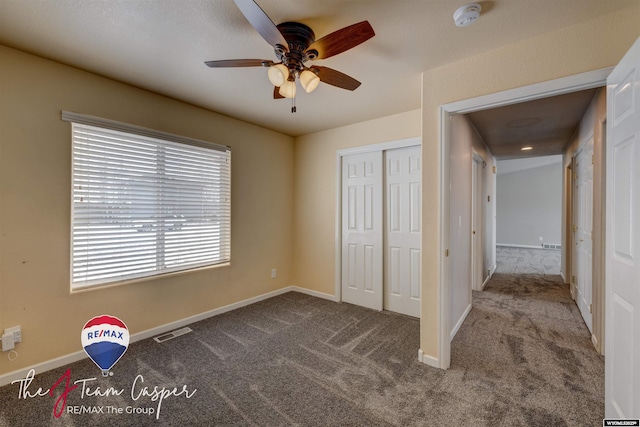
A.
pixel 173 334
pixel 551 246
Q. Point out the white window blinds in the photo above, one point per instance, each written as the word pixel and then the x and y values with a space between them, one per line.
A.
pixel 144 206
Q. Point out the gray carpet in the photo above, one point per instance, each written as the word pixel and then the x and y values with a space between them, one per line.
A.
pixel 527 261
pixel 521 358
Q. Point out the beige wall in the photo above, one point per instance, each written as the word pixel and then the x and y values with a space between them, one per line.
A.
pixel 591 125
pixel 315 192
pixel 587 46
pixel 530 202
pixel 35 174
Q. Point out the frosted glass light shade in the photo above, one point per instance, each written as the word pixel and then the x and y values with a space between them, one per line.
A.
pixel 288 89
pixel 278 74
pixel 309 80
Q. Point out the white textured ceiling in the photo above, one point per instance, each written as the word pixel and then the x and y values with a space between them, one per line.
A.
pixel 161 45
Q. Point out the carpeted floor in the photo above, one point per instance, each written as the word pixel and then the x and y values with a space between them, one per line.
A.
pixel 525 342
pixel 527 261
pixel 522 357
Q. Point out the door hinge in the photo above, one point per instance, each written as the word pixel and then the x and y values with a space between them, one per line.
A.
pixel 590 308
pixel 446 252
pixel 573 279
pixel 575 228
pixel 592 159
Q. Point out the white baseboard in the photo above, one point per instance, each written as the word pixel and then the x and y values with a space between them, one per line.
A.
pixel 491 271
pixel 428 360
pixel 313 293
pixel 79 355
pixel 510 245
pixel 564 279
pixel 460 322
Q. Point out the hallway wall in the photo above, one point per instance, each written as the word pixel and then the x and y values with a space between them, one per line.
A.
pixel 529 203
pixel 465 140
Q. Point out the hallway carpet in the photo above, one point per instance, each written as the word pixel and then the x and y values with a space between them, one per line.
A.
pixel 522 358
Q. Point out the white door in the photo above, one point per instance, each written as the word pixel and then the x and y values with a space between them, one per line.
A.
pixel 583 221
pixel 622 344
pixel 362 229
pixel 477 256
pixel 403 231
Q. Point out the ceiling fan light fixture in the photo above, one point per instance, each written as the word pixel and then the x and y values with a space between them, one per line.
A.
pixel 467 14
pixel 278 74
pixel 288 89
pixel 309 80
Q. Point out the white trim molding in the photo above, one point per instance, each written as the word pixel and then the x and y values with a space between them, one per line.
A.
pixel 428 360
pixel 456 328
pixel 513 245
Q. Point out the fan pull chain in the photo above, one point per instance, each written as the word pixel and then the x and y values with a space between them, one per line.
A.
pixel 293 105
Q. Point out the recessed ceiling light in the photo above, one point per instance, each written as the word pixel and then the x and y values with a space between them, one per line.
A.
pixel 467 14
pixel 526 148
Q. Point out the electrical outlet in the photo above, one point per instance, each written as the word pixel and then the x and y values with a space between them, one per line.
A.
pixel 274 273
pixel 17 333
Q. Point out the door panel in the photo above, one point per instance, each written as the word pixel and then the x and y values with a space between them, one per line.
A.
pixel 362 229
pixel 622 345
pixel 403 231
pixel 583 231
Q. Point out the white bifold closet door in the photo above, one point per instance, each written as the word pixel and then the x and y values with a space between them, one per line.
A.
pixel 362 229
pixel 381 230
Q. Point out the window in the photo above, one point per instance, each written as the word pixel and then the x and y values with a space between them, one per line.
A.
pixel 145 203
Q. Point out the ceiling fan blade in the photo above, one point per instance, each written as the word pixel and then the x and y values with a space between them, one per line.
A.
pixel 341 40
pixel 262 23
pixel 335 78
pixel 240 63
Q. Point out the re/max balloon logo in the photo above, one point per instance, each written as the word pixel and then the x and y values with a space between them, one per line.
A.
pixel 105 339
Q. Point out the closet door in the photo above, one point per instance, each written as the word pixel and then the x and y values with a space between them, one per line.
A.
pixel 403 230
pixel 362 229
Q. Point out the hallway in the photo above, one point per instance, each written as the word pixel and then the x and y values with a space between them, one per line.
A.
pixel 525 346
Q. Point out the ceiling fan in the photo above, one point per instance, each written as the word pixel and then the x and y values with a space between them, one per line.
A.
pixel 294 45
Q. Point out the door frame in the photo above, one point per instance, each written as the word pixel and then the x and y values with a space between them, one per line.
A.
pixel 477 222
pixel 382 146
pixel 564 85
pixel 575 270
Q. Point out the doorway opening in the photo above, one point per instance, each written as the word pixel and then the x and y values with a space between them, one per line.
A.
pixel 566 85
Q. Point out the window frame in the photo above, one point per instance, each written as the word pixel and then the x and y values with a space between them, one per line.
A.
pixel 224 188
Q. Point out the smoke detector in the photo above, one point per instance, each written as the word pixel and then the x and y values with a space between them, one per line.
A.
pixel 467 14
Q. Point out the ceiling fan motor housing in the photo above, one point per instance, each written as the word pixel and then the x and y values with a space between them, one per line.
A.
pixel 299 37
